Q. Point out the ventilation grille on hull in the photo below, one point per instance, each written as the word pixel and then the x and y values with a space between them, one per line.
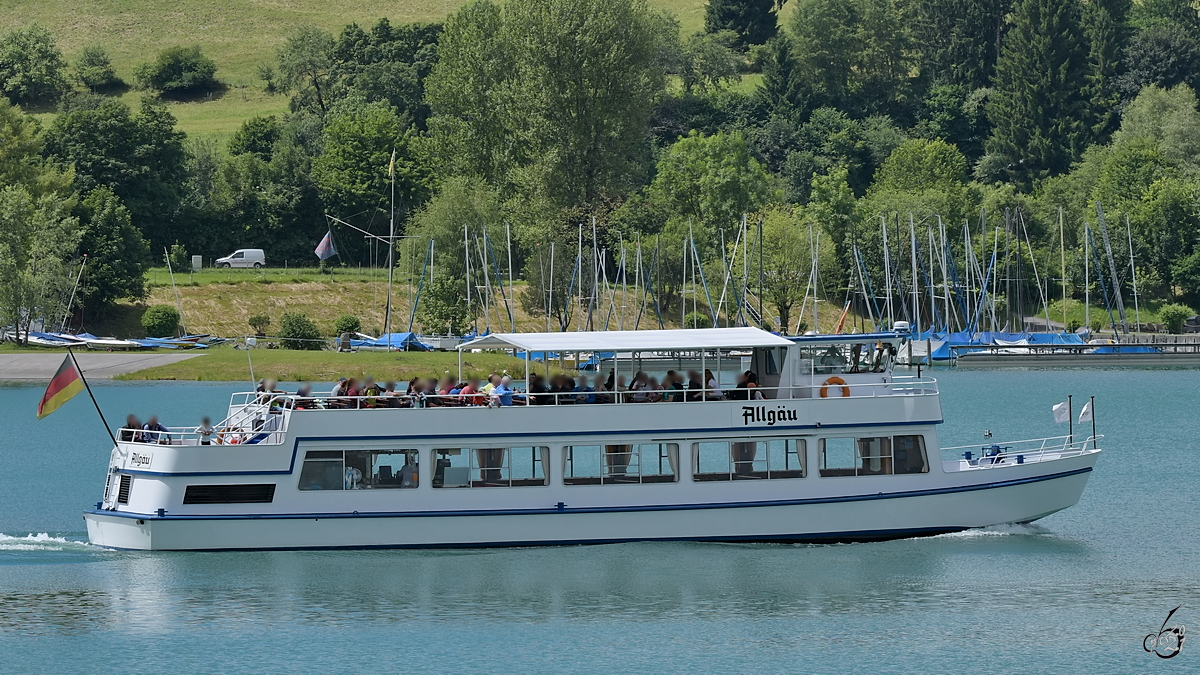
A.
pixel 229 494
pixel 123 490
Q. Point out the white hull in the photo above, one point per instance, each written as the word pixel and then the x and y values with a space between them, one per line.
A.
pixel 1017 494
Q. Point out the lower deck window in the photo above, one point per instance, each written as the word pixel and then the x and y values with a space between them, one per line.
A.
pixel 490 467
pixel 873 456
pixel 610 464
pixel 359 470
pixel 738 460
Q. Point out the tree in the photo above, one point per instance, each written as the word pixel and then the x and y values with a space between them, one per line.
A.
pixel 921 164
pixel 1171 117
pixel 260 323
pixel 21 161
pixel 388 63
pixel 31 66
pixel 959 39
pixel 753 21
pixel 712 181
pixel 178 70
pixel 353 171
pixel 461 207
pixel 1039 105
pixel 786 248
pixel 257 136
pixel 140 156
pixel 780 89
pixel 117 254
pixel 1162 54
pixel 824 48
pixel 297 331
pixel 1106 30
pixel 444 306
pixel 161 321
pixel 38 237
pixel 94 69
pixel 708 61
pixel 550 97
pixel 305 61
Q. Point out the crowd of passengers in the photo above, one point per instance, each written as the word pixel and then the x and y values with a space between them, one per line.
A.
pixel 498 391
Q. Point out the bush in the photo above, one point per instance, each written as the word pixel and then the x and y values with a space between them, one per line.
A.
pixel 178 70
pixel 346 323
pixel 31 66
pixel 180 262
pixel 94 69
pixel 697 320
pixel 299 332
pixel 259 323
pixel 161 321
pixel 1174 315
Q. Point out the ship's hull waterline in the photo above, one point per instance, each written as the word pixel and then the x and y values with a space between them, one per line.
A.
pixel 1008 496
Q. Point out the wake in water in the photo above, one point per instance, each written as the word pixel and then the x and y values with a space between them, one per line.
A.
pixel 999 530
pixel 40 542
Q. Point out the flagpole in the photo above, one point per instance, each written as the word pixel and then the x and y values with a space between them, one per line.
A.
pixel 93 397
pixel 1071 419
pixel 1092 409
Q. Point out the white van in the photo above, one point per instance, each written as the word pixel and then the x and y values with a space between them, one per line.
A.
pixel 244 257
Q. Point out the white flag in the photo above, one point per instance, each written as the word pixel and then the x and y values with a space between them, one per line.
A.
pixel 1085 415
pixel 1061 413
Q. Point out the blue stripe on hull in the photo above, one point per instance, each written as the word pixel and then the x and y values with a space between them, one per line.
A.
pixel 604 509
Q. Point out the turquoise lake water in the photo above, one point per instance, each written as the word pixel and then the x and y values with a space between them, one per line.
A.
pixel 1075 592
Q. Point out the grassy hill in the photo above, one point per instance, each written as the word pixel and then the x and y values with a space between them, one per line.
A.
pixel 237 34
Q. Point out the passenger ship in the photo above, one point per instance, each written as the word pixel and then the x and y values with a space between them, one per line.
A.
pixel 838 449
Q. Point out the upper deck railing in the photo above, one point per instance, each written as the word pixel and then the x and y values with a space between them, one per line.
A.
pixel 262 418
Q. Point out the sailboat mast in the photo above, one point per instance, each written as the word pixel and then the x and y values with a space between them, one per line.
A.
pixel 387 313
pixel 912 241
pixel 1087 280
pixel 887 271
pixel 1062 252
pixel 508 242
pixel 1137 314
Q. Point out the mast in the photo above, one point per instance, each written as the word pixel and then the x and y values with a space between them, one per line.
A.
pixel 550 300
pixel 67 314
pixel 1062 252
pixel 1112 268
pixel 945 279
pixel 508 241
pixel 1087 281
pixel 1137 314
pixel 387 312
pixel 579 269
pixel 887 267
pixel 467 262
pixel 912 241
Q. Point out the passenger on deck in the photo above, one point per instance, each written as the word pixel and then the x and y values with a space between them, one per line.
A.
pixel 655 391
pixel 622 391
pixel 157 432
pixel 503 393
pixel 755 393
pixel 304 397
pixel 714 392
pixel 390 398
pixel 471 395
pixel 673 385
pixel 640 388
pixel 536 391
pixel 492 381
pixel 371 390
pixel 339 389
pixel 584 393
pixel 695 387
pixel 130 432
pixel 566 387
pixel 205 431
pixel 740 392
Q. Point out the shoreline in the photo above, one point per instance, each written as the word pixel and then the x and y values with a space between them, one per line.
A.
pixel 32 367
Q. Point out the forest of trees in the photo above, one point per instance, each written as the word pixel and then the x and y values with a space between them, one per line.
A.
pixel 544 121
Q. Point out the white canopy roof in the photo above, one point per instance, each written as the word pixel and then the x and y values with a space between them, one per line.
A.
pixel 630 340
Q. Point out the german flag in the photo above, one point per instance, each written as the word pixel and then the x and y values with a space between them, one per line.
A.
pixel 64 385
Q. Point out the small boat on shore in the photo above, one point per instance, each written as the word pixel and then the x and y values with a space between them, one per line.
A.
pixel 831 446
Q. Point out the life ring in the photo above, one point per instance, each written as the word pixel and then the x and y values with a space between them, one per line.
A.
pixel 834 381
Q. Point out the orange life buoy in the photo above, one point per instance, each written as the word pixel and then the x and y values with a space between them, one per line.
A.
pixel 834 381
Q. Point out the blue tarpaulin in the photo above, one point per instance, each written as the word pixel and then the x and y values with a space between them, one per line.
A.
pixel 397 341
